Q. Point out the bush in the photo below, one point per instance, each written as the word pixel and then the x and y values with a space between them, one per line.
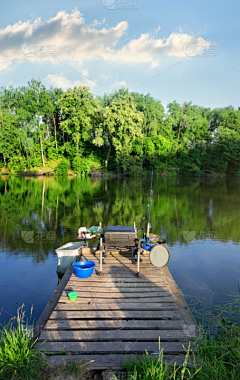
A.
pixel 83 165
pixel 132 165
pixel 18 358
pixel 63 167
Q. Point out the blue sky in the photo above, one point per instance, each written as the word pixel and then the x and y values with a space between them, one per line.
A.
pixel 184 51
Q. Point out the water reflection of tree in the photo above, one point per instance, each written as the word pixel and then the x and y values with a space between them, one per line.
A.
pixel 62 204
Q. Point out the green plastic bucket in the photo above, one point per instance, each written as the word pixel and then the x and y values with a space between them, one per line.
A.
pixel 72 296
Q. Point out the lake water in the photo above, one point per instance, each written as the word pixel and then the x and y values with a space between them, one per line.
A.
pixel 199 217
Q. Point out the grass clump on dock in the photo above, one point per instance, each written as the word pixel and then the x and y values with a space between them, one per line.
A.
pixel 18 358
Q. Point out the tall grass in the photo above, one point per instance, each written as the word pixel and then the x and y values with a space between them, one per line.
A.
pixel 18 358
pixel 219 357
pixel 149 368
pixel 216 357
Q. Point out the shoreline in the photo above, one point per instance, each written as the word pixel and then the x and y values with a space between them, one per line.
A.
pixel 51 173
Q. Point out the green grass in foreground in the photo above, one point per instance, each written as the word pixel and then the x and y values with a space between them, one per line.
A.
pixel 18 358
pixel 215 359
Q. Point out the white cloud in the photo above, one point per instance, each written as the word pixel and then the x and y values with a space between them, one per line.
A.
pixel 119 84
pixel 62 82
pixel 96 22
pixel 106 76
pixel 76 42
pixel 85 72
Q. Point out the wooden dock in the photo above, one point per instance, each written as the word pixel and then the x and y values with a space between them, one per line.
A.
pixel 117 316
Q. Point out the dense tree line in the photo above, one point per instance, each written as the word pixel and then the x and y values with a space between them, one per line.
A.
pixel 119 132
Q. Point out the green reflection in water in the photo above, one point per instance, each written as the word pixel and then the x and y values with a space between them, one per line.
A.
pixel 53 208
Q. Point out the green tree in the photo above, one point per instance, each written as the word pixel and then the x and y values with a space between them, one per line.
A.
pixel 37 103
pixel 79 109
pixel 9 137
pixel 120 127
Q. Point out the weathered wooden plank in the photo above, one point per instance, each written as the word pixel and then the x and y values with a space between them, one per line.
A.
pixel 118 295
pixel 103 279
pixel 80 299
pixel 123 256
pixel 119 258
pixel 110 305
pixel 118 283
pixel 113 335
pixel 123 275
pixel 108 361
pixel 132 271
pixel 121 287
pixel 113 289
pixel 112 260
pixel 114 324
pixel 113 347
pixel 111 314
pixel 132 265
pixel 132 268
pixel 128 262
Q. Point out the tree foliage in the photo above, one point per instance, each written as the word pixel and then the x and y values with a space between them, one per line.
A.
pixel 122 131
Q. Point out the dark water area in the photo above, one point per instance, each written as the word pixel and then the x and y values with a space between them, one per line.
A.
pixel 199 217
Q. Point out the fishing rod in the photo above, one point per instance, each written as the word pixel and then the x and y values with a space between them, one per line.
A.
pixel 149 211
pixel 150 201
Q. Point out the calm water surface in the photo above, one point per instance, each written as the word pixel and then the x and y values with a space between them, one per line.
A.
pixel 199 217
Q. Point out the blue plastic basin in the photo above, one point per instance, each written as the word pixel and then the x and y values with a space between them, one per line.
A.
pixel 84 269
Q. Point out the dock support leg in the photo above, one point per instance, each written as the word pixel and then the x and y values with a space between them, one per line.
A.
pixel 101 258
pixel 138 257
pixel 138 262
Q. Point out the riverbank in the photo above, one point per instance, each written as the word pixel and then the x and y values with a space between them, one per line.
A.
pixel 51 171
